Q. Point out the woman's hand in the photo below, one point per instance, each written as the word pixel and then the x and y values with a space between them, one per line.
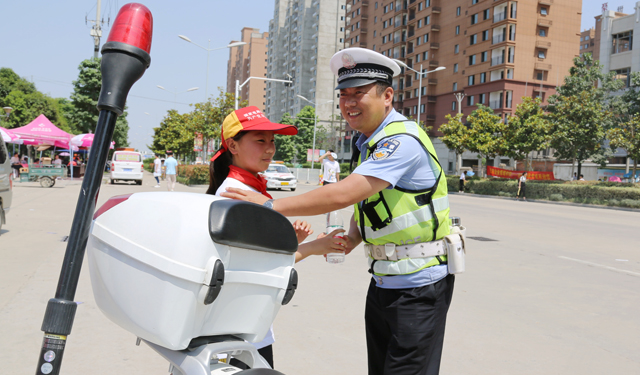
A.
pixel 303 230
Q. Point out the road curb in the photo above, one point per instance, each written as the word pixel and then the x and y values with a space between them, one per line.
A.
pixel 551 202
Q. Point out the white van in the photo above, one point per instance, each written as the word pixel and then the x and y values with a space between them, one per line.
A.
pixel 126 165
pixel 6 185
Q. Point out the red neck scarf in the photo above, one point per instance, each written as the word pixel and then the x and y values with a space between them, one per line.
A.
pixel 259 183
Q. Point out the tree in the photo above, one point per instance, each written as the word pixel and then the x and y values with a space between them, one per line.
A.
pixel 455 134
pixel 296 146
pixel 173 134
pixel 485 134
pixel 84 99
pixel 285 146
pixel 627 136
pixel 526 131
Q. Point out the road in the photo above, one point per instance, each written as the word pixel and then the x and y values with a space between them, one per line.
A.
pixel 556 291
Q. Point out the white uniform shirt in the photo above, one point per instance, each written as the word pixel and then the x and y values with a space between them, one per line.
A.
pixel 232 182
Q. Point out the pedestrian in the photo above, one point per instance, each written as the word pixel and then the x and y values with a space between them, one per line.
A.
pixel 157 170
pixel 398 176
pixel 57 162
pixel 581 177
pixel 330 168
pixel 575 176
pixel 15 165
pixel 463 178
pixel 246 149
pixel 171 166
pixel 522 186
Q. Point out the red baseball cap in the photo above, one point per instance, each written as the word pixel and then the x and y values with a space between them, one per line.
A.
pixel 250 119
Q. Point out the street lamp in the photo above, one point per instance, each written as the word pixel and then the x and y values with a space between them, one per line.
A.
pixel 315 118
pixel 175 93
pixel 239 86
pixel 8 111
pixel 420 88
pixel 236 44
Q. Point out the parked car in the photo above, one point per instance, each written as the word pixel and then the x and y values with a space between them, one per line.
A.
pixel 126 165
pixel 279 176
pixel 6 184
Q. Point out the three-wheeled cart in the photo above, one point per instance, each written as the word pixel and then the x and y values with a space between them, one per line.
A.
pixel 46 174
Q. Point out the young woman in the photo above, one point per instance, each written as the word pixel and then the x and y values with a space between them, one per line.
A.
pixel 247 148
pixel 522 184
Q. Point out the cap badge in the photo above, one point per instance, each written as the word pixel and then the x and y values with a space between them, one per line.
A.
pixel 348 62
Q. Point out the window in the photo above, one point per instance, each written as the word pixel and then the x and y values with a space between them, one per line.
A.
pixel 376 5
pixel 472 60
pixel 358 25
pixel 373 47
pixel 481 98
pixel 485 35
pixel 473 2
pixel 427 3
pixel 484 56
pixel 418 58
pixel 485 14
pixel 456 49
pixel 455 86
pixel 427 20
pixel 474 19
pixel 473 39
pixel 483 79
pixel 623 75
pixel 457 30
pixel 358 12
pixel 384 24
pixel 421 108
pixel 425 38
pixel 471 80
pixel 586 37
pixel 375 19
pixel 455 68
pixel 457 11
pixel 419 24
pixel 470 100
pixel 622 42
pixel 375 32
pixel 425 55
pixel 543 11
pixel 357 38
pixel 540 76
pixel 391 6
pixel 420 6
pixel 541 54
pixel 453 105
pixel 386 9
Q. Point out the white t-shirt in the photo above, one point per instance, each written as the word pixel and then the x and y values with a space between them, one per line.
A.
pixel 14 160
pixel 157 168
pixel 523 179
pixel 57 162
pixel 330 170
pixel 232 182
pixel 463 176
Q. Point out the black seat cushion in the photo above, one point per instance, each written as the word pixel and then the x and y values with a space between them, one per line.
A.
pixel 251 226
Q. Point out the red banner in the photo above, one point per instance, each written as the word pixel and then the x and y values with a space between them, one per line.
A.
pixel 514 175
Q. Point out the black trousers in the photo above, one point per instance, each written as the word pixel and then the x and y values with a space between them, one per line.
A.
pixel 461 185
pixel 522 191
pixel 405 328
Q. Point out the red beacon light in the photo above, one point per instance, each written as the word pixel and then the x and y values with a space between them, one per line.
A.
pixel 134 26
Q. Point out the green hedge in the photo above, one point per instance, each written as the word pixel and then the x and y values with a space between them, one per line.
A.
pixel 193 174
pixel 591 192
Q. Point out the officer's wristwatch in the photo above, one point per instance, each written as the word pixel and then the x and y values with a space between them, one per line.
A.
pixel 268 204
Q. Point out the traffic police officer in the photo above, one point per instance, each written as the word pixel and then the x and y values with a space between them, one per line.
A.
pixel 401 213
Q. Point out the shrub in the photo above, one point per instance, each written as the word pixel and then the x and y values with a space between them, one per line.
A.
pixel 613 202
pixel 556 197
pixel 631 203
pixel 194 174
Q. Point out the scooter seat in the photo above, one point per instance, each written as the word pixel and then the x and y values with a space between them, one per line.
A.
pixel 251 226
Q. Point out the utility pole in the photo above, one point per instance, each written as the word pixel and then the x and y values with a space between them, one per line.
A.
pixel 96 32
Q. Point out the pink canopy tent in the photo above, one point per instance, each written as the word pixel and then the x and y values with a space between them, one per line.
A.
pixel 42 132
pixel 8 136
pixel 83 140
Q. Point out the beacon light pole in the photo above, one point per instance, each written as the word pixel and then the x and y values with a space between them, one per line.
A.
pixel 315 117
pixel 125 57
pixel 420 88
pixel 236 44
pixel 239 86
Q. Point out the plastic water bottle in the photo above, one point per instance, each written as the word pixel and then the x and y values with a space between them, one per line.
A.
pixel 334 221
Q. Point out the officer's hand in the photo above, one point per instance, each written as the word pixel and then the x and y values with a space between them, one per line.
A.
pixel 245 195
pixel 350 243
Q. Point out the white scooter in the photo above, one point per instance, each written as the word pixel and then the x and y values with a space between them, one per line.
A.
pixel 204 283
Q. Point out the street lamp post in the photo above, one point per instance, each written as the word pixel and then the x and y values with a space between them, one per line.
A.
pixel 7 111
pixel 421 73
pixel 239 86
pixel 315 118
pixel 236 44
pixel 175 93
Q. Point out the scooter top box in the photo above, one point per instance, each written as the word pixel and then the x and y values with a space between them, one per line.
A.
pixel 172 267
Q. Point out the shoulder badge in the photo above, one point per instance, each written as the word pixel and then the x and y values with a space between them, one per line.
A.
pixel 386 149
pixel 347 61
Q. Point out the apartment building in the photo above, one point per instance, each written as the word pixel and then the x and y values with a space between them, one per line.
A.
pixel 249 60
pixel 494 52
pixel 304 35
pixel 588 42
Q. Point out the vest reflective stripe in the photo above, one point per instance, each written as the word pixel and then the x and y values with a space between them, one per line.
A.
pixel 409 219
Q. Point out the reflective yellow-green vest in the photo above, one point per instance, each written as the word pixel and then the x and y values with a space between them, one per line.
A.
pixel 403 216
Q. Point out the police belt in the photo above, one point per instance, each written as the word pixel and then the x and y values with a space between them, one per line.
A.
pixel 392 251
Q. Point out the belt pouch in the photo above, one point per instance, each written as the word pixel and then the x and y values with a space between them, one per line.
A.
pixel 455 253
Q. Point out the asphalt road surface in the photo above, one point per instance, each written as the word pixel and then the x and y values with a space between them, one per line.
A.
pixel 549 289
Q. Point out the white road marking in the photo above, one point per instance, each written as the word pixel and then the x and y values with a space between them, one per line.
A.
pixel 601 266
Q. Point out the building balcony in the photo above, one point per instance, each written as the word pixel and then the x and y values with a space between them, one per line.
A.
pixel 543 44
pixel 495 104
pixel 544 22
pixel 435 27
pixel 545 2
pixel 498 39
pixel 432 81
pixel 497 60
pixel 436 10
pixel 363 30
pixel 542 66
pixel 434 45
pixel 500 16
pixel 431 118
pixel 365 3
pixel 434 63
pixel 432 99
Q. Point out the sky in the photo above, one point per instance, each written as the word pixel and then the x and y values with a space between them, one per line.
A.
pixel 44 41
